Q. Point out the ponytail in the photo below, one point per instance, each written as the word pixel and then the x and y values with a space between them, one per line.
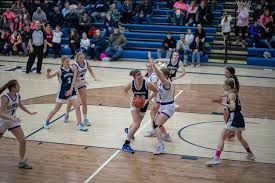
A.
pixel 10 84
pixel 237 84
pixel 134 72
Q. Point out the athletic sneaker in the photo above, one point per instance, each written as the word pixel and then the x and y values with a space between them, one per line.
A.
pixel 66 118
pixel 250 156
pixel 82 127
pixel 46 125
pixel 24 165
pixel 126 131
pixel 159 148
pixel 87 122
pixel 151 133
pixel 215 161
pixel 166 138
pixel 127 148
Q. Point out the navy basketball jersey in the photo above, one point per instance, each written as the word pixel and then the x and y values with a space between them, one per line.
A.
pixel 238 107
pixel 142 91
pixel 173 68
pixel 66 78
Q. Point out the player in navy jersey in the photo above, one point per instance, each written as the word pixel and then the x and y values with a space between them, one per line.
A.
pixel 82 67
pixel 165 98
pixel 67 77
pixel 9 104
pixel 235 121
pixel 141 88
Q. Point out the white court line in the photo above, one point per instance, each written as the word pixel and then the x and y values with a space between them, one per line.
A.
pixel 118 151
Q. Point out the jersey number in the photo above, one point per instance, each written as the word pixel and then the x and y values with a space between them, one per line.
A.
pixel 69 80
pixel 13 111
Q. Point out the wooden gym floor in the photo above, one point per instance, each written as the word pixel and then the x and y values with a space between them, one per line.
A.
pixel 62 154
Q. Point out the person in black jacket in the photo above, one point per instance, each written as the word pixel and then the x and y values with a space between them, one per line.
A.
pixel 203 15
pixel 168 46
pixel 144 13
pixel 71 20
pixel 196 48
pixel 98 44
pixel 56 18
pixel 100 7
pixel 200 33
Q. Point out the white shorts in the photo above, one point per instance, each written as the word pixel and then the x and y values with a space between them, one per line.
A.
pixel 80 84
pixel 7 125
pixel 168 109
pixel 65 101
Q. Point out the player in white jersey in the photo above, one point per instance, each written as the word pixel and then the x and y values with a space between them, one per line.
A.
pixel 9 104
pixel 67 93
pixel 167 106
pixel 82 66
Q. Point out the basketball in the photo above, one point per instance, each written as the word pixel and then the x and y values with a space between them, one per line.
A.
pixel 138 102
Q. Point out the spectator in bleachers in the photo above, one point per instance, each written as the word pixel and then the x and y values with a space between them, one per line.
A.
pixel 98 44
pixel 16 7
pixel 200 33
pixel 9 14
pixel 114 13
pixel 167 47
pixel 56 17
pixel 254 33
pixel 180 11
pixel 266 22
pixel 39 15
pixel 203 14
pixel 127 11
pixel 117 42
pixel 66 9
pixel 242 22
pixel 144 13
pixel 191 14
pixel 26 22
pixel 85 22
pixel 24 15
pixel 57 34
pixel 183 49
pixel 4 41
pixel 189 38
pixel 47 7
pixel 49 36
pixel 25 39
pixel 80 9
pixel 16 43
pixel 226 27
pixel 101 7
pixel 109 25
pixel 71 20
pixel 16 25
pixel 74 42
pixel 85 44
pixel 4 24
pixel 196 48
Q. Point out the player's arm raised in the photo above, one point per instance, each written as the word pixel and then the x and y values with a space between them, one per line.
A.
pixel 164 81
pixel 49 75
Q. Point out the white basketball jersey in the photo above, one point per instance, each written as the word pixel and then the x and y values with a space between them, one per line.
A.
pixel 12 104
pixel 165 95
pixel 81 71
pixel 152 78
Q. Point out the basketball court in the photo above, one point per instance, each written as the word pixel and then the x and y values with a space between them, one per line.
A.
pixel 63 154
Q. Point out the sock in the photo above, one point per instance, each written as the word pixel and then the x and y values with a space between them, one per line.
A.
pixel 127 141
pixel 218 153
pixel 85 116
pixel 248 150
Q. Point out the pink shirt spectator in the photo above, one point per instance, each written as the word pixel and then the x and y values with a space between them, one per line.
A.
pixel 181 6
pixel 243 17
pixel 266 19
pixel 10 15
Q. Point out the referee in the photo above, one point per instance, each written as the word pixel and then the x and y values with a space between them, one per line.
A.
pixel 38 46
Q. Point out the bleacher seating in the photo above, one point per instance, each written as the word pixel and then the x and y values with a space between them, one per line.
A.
pixel 255 57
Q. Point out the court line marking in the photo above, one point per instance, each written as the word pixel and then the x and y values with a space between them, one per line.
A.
pixel 119 150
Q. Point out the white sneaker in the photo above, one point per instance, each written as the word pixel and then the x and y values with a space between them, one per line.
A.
pixel 250 156
pixel 82 127
pixel 167 138
pixel 215 161
pixel 192 65
pixel 66 118
pixel 198 65
pixel 151 133
pixel 159 149
pixel 87 122
pixel 46 125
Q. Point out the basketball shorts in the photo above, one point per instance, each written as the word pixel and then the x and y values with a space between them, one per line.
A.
pixel 7 125
pixel 62 98
pixel 143 110
pixel 235 121
pixel 80 84
pixel 168 109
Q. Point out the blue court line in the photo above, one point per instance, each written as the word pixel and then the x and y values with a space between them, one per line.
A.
pixel 49 124
pixel 204 147
pixel 128 68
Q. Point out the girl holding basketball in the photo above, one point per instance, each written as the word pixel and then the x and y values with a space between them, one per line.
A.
pixel 9 104
pixel 167 106
pixel 81 66
pixel 140 89
pixel 235 121
pixel 66 76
